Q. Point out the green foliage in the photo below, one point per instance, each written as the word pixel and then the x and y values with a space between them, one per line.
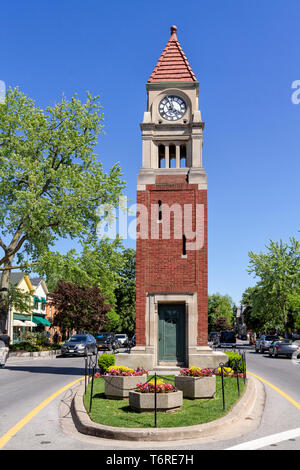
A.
pixel 125 293
pixel 51 182
pixel 219 306
pixel 277 292
pixel 105 361
pixel 19 300
pixel 235 360
pixel 24 346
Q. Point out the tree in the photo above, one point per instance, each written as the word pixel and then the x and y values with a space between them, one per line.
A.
pixel 125 293
pixel 219 306
pixel 99 264
pixel 278 287
pixel 79 307
pixel 51 182
pixel 221 324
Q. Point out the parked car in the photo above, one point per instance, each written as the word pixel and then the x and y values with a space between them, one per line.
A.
pixel 213 337
pixel 123 339
pixel 263 343
pixel 108 341
pixel 285 347
pixel 227 339
pixel 79 345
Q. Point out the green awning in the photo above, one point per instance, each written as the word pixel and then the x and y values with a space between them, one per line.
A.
pixel 19 316
pixel 40 320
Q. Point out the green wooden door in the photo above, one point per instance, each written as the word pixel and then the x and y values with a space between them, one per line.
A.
pixel 171 333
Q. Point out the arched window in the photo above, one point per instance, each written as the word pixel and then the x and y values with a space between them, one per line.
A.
pixel 172 156
pixel 183 156
pixel 161 156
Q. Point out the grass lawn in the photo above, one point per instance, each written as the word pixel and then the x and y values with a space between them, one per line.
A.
pixel 118 413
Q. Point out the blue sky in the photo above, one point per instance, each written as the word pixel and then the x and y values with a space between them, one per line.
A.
pixel 245 55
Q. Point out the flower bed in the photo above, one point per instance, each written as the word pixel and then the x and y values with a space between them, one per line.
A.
pixel 119 380
pixel 167 397
pixel 197 372
pixel 161 387
pixel 196 382
pixel 228 372
pixel 125 371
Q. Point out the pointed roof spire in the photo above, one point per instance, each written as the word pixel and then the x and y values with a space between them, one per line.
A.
pixel 173 65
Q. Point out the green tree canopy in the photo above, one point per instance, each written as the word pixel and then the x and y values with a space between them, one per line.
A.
pixel 278 288
pixel 51 182
pixel 220 306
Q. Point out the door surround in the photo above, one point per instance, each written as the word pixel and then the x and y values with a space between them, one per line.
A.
pixel 151 320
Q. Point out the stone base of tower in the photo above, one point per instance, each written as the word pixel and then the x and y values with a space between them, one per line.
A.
pixel 143 357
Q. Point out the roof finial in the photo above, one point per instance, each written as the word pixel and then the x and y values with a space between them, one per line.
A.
pixel 173 33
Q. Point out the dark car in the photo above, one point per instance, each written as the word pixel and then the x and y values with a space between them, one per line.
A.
pixel 227 339
pixel 79 345
pixel 108 341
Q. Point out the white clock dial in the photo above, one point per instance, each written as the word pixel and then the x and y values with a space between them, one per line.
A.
pixel 172 108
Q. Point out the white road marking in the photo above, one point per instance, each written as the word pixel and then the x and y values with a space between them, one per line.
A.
pixel 267 440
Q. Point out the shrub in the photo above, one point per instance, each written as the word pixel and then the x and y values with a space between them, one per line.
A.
pixel 24 346
pixel 235 361
pixel 105 361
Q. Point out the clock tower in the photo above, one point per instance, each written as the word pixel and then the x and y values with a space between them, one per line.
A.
pixel 171 249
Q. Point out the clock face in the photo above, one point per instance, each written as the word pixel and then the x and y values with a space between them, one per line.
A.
pixel 172 108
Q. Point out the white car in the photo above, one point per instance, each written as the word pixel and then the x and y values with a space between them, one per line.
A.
pixel 123 339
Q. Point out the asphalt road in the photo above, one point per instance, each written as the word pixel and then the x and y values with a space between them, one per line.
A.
pixel 29 392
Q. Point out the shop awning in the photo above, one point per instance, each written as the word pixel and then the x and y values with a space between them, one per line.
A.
pixel 18 323
pixel 30 323
pixel 19 316
pixel 40 320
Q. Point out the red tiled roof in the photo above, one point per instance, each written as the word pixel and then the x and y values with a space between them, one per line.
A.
pixel 173 65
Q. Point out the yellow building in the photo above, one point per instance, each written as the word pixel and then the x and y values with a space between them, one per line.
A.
pixel 21 322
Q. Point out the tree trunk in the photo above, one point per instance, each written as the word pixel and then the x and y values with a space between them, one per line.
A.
pixel 4 285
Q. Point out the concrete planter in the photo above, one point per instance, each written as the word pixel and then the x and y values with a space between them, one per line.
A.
pixel 196 387
pixel 165 401
pixel 119 386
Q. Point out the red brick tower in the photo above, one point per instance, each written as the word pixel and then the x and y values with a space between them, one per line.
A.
pixel 171 250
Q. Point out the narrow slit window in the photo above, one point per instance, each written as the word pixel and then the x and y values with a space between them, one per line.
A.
pixel 182 156
pixel 172 154
pixel 159 211
pixel 184 245
pixel 161 156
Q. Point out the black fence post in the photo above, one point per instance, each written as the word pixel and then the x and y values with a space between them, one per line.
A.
pixel 245 366
pixel 92 388
pixel 155 402
pixel 223 392
pixel 85 372
pixel 237 378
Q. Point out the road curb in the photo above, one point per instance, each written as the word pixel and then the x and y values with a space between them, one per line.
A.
pixel 49 353
pixel 244 417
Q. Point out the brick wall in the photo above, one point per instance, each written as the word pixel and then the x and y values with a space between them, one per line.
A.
pixel 159 263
